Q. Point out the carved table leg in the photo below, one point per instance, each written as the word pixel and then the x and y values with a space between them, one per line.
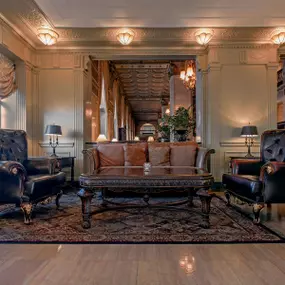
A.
pixel 228 197
pixel 257 207
pixel 27 208
pixel 58 196
pixel 86 198
pixel 205 198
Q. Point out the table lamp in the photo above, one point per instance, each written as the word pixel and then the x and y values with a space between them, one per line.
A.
pixel 249 132
pixel 101 138
pixel 150 139
pixel 53 131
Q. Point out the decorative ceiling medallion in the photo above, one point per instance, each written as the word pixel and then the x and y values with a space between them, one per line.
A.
pixel 47 36
pixel 125 36
pixel 278 36
pixel 203 36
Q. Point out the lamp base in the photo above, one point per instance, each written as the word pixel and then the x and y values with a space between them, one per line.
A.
pixel 249 155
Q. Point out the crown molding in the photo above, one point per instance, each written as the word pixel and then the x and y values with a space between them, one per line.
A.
pixel 26 17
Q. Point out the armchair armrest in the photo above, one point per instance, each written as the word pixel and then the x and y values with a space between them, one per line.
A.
pixel 41 165
pixel 12 178
pixel 271 168
pixel 93 159
pixel 13 168
pixel 246 166
pixel 272 176
pixel 203 157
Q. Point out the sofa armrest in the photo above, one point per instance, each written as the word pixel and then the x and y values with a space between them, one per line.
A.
pixel 92 159
pixel 203 157
pixel 41 165
pixel 246 166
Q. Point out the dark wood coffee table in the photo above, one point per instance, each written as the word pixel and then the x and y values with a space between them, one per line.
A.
pixel 194 180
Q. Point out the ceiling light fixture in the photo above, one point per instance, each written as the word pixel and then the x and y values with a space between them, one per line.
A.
pixel 125 37
pixel 47 36
pixel 203 36
pixel 278 37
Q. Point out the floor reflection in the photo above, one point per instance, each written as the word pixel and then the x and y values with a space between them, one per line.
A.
pixel 187 263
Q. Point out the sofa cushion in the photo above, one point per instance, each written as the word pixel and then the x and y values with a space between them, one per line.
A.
pixel 135 154
pixel 111 154
pixel 159 154
pixel 183 153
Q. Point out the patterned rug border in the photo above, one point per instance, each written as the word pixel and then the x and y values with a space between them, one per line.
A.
pixel 201 242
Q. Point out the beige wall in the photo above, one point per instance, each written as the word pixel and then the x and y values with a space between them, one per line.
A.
pixel 237 84
pixel 240 88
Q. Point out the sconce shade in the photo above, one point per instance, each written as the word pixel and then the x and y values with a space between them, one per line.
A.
pixel 47 36
pixel 125 37
pixel 53 130
pixel 249 131
pixel 101 138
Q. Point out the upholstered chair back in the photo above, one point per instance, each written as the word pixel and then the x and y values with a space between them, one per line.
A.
pixel 273 146
pixel 13 145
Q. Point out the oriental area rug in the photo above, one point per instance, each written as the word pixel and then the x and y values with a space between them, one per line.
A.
pixel 131 225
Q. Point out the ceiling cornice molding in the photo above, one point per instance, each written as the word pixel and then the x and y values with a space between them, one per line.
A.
pixel 17 32
pixel 32 17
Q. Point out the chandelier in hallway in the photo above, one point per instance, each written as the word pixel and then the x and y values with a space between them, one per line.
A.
pixel 188 75
pixel 47 36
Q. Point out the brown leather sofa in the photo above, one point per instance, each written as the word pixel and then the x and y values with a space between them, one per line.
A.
pixel 158 154
pixel 260 181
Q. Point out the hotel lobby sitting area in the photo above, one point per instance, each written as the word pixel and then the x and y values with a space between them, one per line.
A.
pixel 142 139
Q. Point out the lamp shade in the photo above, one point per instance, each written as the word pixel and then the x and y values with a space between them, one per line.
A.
pixel 101 138
pixel 150 139
pixel 249 131
pixel 53 130
pixel 136 139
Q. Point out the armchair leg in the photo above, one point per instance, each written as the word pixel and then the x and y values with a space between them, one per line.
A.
pixel 228 197
pixel 257 207
pixel 27 208
pixel 58 196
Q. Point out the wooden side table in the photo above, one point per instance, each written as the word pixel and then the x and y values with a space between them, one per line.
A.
pixel 67 162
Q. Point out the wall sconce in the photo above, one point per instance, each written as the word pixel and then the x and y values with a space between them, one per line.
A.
pixel 53 131
pixel 101 138
pixel 167 111
pixel 47 36
pixel 249 132
pixel 278 36
pixel 125 37
pixel 203 36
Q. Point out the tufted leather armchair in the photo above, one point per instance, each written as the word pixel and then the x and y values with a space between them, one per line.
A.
pixel 262 180
pixel 26 182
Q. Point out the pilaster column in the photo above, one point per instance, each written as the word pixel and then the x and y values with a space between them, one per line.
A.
pixel 79 77
pixel 272 93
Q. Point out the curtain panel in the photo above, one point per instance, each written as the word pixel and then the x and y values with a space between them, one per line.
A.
pixel 7 77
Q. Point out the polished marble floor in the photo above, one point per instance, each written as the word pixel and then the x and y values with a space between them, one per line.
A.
pixel 230 264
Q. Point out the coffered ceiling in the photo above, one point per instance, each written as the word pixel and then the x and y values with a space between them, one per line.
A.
pixel 171 23
pixel 144 84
